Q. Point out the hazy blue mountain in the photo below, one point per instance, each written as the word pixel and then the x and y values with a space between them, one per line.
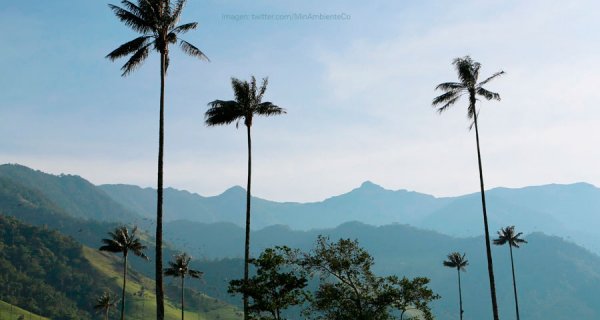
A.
pixel 369 203
pixel 556 279
pixel 75 195
pixel 571 211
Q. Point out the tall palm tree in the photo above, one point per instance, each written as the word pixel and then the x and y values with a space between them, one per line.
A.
pixel 468 74
pixel 121 241
pixel 157 22
pixel 508 235
pixel 104 303
pixel 458 261
pixel 180 267
pixel 247 104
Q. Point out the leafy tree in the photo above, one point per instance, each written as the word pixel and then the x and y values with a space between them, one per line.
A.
pixel 121 241
pixel 350 290
pixel 276 286
pixel 157 22
pixel 104 303
pixel 180 267
pixel 468 74
pixel 247 104
pixel 508 236
pixel 458 261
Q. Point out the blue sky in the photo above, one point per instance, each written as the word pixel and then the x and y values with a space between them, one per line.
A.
pixel 357 91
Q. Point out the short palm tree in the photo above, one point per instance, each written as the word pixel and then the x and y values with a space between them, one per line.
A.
pixel 468 75
pixel 157 22
pixel 104 303
pixel 180 267
pixel 458 261
pixel 508 236
pixel 122 241
pixel 247 104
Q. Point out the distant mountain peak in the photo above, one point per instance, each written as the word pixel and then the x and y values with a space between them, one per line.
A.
pixel 235 190
pixel 369 185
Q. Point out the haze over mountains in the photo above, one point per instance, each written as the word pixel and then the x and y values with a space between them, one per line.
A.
pixel 557 278
pixel 570 211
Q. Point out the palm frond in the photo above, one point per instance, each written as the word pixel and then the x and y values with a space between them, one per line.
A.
pixel 268 109
pixel 450 86
pixel 133 8
pixel 489 95
pixel 185 28
pixel 241 91
pixel 177 9
pixel 252 90
pixel 497 74
pixel 263 88
pixel 136 59
pixel 195 274
pixel 128 47
pixel 223 112
pixel 172 272
pixel 131 20
pixel 445 97
pixel 191 50
pixel 448 99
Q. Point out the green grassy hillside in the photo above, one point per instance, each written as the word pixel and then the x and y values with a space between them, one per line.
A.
pixel 199 305
pixel 10 312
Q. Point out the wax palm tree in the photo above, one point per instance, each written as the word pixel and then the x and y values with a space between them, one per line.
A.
pixel 157 22
pixel 458 261
pixel 247 104
pixel 122 241
pixel 508 236
pixel 180 267
pixel 468 74
pixel 104 303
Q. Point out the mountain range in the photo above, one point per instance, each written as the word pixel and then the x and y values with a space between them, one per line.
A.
pixel 571 211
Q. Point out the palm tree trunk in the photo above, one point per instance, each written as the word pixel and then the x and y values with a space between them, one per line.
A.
pixel 160 308
pixel 514 281
pixel 124 284
pixel 182 315
pixel 485 220
pixel 106 314
pixel 460 295
pixel 247 244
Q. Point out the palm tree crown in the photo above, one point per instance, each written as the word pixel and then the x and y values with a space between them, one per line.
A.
pixel 122 241
pixel 105 301
pixel 468 74
pixel 456 260
pixel 179 267
pixel 508 235
pixel 247 103
pixel 157 22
